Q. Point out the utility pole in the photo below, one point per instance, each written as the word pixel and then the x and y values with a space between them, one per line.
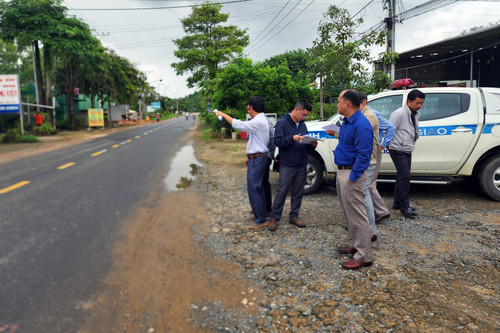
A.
pixel 390 23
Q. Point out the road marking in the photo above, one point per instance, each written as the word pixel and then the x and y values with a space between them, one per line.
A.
pixel 99 152
pixel 145 133
pixel 67 165
pixel 115 146
pixel 137 137
pixel 15 186
pixel 129 140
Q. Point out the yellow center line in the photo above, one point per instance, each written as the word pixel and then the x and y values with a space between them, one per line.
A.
pixel 129 140
pixel 13 187
pixel 98 153
pixel 137 137
pixel 115 146
pixel 67 165
pixel 145 133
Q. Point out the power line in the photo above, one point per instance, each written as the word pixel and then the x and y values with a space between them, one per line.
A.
pixel 157 8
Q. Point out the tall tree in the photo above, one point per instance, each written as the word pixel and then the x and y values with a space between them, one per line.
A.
pixel 29 22
pixel 207 45
pixel 337 55
pixel 75 44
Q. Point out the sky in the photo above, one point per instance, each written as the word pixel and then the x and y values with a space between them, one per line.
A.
pixel 143 30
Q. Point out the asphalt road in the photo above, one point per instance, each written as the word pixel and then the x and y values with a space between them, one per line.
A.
pixel 61 213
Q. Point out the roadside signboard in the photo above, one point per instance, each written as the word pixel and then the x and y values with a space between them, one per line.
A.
pixel 96 118
pixel 10 94
pixel 156 105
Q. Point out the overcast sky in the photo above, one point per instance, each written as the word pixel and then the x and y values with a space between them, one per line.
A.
pixel 143 30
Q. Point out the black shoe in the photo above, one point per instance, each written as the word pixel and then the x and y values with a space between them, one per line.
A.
pixel 379 219
pixel 408 212
pixel 374 238
pixel 396 207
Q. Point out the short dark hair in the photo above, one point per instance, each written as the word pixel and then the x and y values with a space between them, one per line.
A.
pixel 257 103
pixel 414 94
pixel 363 96
pixel 352 96
pixel 304 104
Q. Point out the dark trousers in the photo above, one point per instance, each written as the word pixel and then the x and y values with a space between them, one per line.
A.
pixel 402 162
pixel 267 188
pixel 296 178
pixel 256 171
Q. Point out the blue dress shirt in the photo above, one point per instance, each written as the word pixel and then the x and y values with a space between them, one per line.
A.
pixel 355 144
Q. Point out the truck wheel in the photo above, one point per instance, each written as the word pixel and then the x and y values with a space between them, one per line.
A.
pixel 489 178
pixel 314 175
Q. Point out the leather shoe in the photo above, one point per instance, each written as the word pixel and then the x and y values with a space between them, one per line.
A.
pixel 272 226
pixel 396 207
pixel 347 249
pixel 298 222
pixel 408 212
pixel 255 225
pixel 374 238
pixel 379 219
pixel 354 264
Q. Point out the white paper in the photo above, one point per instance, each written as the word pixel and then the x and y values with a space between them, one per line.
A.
pixel 332 127
pixel 308 139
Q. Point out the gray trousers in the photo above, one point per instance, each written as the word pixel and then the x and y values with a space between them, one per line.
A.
pixel 368 198
pixel 379 205
pixel 296 179
pixel 352 201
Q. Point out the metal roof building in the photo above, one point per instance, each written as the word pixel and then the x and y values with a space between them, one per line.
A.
pixel 471 60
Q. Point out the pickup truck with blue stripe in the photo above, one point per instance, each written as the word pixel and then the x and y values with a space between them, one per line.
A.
pixel 459 137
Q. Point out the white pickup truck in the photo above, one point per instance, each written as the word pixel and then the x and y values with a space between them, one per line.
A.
pixel 459 137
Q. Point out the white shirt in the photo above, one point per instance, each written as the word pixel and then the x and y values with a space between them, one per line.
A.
pixel 258 128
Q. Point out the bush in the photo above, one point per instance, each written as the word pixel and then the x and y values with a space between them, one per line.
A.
pixel 44 129
pixel 28 138
pixel 11 136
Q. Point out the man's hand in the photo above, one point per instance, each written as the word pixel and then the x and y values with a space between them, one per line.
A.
pixel 297 138
pixel 330 132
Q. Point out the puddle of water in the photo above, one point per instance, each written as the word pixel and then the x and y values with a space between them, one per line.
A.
pixel 183 169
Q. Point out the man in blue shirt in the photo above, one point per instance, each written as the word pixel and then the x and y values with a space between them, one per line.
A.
pixel 352 157
pixel 257 151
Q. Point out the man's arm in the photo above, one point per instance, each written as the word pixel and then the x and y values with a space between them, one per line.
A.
pixel 387 128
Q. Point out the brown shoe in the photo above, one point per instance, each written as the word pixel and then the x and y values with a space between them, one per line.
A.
pixel 255 225
pixel 298 222
pixel 272 226
pixel 347 249
pixel 354 264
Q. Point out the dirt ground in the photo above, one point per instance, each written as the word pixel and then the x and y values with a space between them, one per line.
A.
pixel 160 269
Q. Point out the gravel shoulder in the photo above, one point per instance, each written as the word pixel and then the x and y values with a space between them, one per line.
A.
pixel 438 272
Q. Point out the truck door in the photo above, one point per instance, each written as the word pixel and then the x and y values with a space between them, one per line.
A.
pixel 448 128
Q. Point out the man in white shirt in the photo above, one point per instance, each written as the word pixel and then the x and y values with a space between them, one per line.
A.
pixel 258 130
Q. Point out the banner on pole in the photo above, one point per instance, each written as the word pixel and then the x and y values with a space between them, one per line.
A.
pixel 96 118
pixel 10 94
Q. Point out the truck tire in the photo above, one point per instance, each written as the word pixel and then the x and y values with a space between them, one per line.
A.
pixel 489 177
pixel 314 175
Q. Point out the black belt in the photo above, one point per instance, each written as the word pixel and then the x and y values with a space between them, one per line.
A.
pixel 345 167
pixel 255 155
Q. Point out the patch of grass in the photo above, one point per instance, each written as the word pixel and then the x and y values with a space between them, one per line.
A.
pixel 206 134
pixel 184 182
pixel 29 138
pixel 213 147
pixel 233 148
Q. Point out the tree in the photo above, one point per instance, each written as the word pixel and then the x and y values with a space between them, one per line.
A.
pixel 29 22
pixel 336 56
pixel 208 45
pixel 296 61
pixel 241 80
pixel 75 44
